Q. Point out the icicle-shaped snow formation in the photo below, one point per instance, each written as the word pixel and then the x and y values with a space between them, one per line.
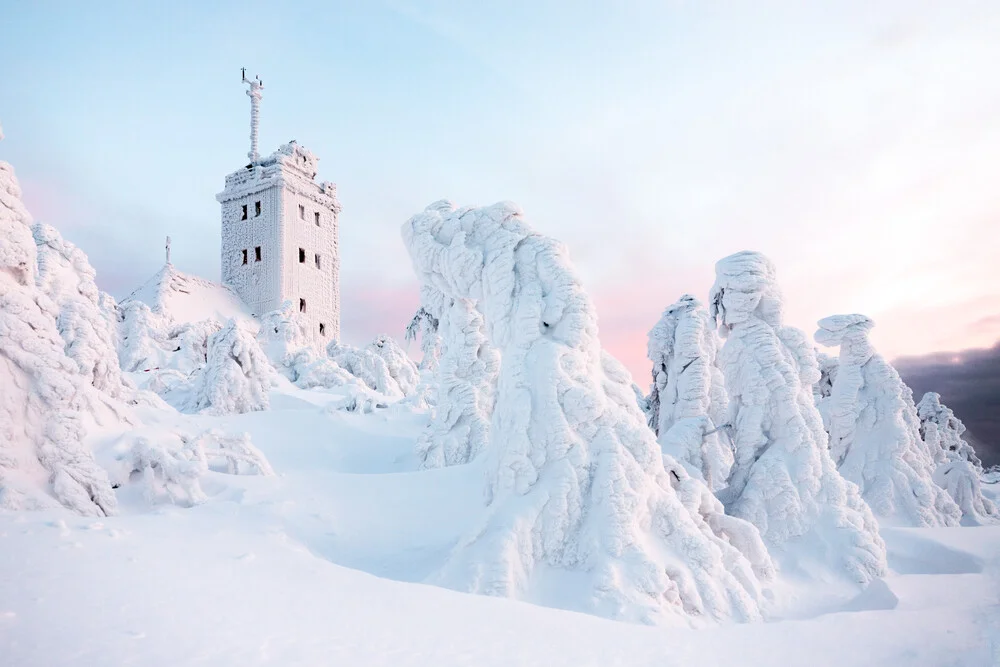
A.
pixel 237 376
pixel 687 403
pixel 466 378
pixel 576 479
pixel 783 479
pixel 958 468
pixel 42 455
pixel 66 277
pixel 875 433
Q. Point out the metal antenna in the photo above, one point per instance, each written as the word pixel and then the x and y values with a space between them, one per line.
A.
pixel 254 93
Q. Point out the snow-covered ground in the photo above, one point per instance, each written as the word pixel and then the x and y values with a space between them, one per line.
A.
pixel 322 563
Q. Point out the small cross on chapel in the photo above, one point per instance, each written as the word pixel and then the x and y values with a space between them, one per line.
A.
pixel 279 232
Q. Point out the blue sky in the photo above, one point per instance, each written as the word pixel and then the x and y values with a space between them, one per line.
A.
pixel 855 143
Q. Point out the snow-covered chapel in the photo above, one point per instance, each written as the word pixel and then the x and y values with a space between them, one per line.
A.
pixel 279 232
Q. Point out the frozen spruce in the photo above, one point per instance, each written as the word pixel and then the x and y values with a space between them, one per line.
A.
pixel 466 383
pixel 401 368
pixel 43 459
pixel 874 431
pixel 367 366
pixel 687 403
pixel 783 479
pixel 958 470
pixel 425 325
pixel 576 481
pixel 283 338
pixel 236 377
pixel 88 330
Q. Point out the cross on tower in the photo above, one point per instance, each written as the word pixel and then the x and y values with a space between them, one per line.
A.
pixel 168 250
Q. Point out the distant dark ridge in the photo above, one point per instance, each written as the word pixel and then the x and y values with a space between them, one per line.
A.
pixel 969 384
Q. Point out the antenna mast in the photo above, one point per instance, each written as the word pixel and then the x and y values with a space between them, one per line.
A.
pixel 254 93
pixel 168 250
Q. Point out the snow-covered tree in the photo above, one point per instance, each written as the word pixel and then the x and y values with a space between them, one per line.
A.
pixel 687 403
pixel 425 324
pixel 188 344
pixel 875 432
pixel 367 366
pixel 284 340
pixel 401 368
pixel 827 376
pixel 783 479
pixel 144 333
pixel 43 458
pixel 943 431
pixel 66 276
pixel 959 470
pixel 466 379
pixel 576 480
pixel 236 377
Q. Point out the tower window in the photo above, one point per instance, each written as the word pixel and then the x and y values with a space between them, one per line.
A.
pixel 256 208
pixel 319 263
pixel 322 329
pixel 302 212
pixel 244 256
pixel 302 305
pixel 256 254
pixel 317 218
pixel 244 217
pixel 302 256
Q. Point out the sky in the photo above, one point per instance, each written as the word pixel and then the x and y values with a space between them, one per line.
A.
pixel 855 143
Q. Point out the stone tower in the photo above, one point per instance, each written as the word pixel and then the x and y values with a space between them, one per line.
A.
pixel 279 233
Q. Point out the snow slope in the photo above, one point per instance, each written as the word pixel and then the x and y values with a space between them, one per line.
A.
pixel 319 565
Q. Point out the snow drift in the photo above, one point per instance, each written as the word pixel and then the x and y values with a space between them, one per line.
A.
pixel 576 481
pixel 875 433
pixel 42 456
pixel 783 479
pixel 687 403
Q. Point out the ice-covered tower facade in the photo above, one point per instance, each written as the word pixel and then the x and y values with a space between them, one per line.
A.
pixel 279 233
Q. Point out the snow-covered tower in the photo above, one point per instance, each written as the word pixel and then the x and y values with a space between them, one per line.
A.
pixel 279 233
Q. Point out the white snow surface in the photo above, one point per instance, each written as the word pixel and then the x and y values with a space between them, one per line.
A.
pixel 875 432
pixel 687 403
pixel 783 479
pixel 185 298
pixel 322 563
pixel 577 490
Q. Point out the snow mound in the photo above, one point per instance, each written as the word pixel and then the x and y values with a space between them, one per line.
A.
pixel 42 458
pixel 875 433
pixel 183 298
pixel 576 482
pixel 283 338
pixel 236 377
pixel 959 469
pixel 85 323
pixel 783 479
pixel 688 391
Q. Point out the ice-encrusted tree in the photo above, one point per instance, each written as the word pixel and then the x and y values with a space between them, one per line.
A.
pixel 370 368
pixel 783 479
pixel 958 468
pixel 576 480
pixel 401 368
pixel 466 384
pixel 236 377
pixel 426 324
pixel 43 459
pixel 687 403
pixel 66 276
pixel 827 376
pixel 142 345
pixel 283 338
pixel 875 433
